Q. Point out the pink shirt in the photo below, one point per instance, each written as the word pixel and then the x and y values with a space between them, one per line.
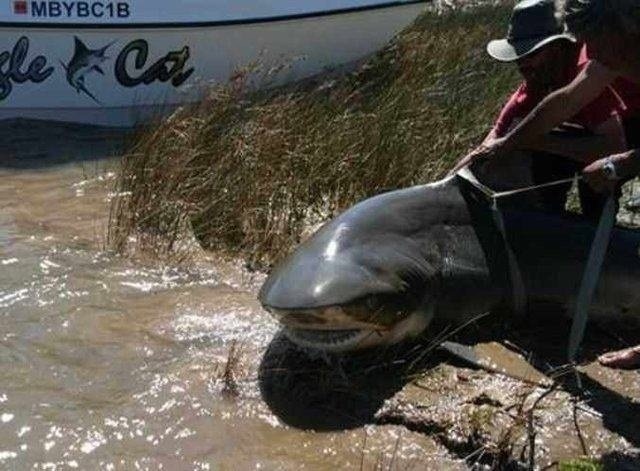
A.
pixel 629 93
pixel 523 101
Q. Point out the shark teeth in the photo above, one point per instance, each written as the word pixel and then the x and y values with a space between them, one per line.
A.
pixel 332 340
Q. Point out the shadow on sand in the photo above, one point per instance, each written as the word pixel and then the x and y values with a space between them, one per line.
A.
pixel 342 392
pixel 35 144
pixel 545 337
pixel 334 392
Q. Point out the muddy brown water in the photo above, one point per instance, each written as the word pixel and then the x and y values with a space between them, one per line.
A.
pixel 106 363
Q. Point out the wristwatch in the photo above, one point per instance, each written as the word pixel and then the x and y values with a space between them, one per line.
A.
pixel 609 169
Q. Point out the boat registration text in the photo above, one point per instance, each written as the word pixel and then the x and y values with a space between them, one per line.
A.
pixel 69 9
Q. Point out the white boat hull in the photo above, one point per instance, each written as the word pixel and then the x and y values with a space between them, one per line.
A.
pixel 120 75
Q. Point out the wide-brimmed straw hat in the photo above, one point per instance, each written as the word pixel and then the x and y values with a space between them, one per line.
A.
pixel 533 24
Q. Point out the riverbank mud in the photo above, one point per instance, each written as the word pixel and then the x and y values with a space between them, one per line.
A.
pixel 115 363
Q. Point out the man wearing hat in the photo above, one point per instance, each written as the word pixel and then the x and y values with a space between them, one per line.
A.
pixel 548 58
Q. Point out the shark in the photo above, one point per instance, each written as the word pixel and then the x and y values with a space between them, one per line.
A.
pixel 84 62
pixel 381 271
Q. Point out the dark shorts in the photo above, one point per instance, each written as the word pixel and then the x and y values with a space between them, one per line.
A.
pixel 548 167
pixel 632 132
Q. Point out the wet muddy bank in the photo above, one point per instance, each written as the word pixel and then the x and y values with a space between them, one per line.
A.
pixel 519 419
pixel 112 363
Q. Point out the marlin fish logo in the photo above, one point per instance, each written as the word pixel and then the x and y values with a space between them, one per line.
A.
pixel 84 62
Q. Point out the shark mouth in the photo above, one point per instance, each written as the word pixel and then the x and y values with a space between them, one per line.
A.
pixel 328 340
pixel 345 339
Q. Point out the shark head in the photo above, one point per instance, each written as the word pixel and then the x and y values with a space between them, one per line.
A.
pixel 368 278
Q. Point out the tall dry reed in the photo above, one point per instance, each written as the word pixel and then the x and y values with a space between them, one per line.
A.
pixel 250 172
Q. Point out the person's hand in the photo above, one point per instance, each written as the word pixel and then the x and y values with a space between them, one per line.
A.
pixel 489 149
pixel 601 178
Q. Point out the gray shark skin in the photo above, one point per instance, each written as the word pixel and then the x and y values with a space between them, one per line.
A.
pixel 84 62
pixel 380 271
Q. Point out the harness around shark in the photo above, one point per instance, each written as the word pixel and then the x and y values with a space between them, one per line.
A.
pixel 381 271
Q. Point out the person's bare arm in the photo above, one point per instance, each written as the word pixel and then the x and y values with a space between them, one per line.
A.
pixel 493 135
pixel 556 108
pixel 467 159
pixel 559 106
pixel 627 165
pixel 608 139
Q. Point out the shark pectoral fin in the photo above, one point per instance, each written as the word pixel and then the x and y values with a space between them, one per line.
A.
pixel 98 69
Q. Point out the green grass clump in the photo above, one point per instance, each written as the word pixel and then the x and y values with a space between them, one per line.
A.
pixel 582 464
pixel 250 172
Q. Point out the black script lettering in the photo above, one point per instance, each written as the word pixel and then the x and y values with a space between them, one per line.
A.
pixel 36 71
pixel 141 49
pixel 5 78
pixel 177 73
pixel 170 67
